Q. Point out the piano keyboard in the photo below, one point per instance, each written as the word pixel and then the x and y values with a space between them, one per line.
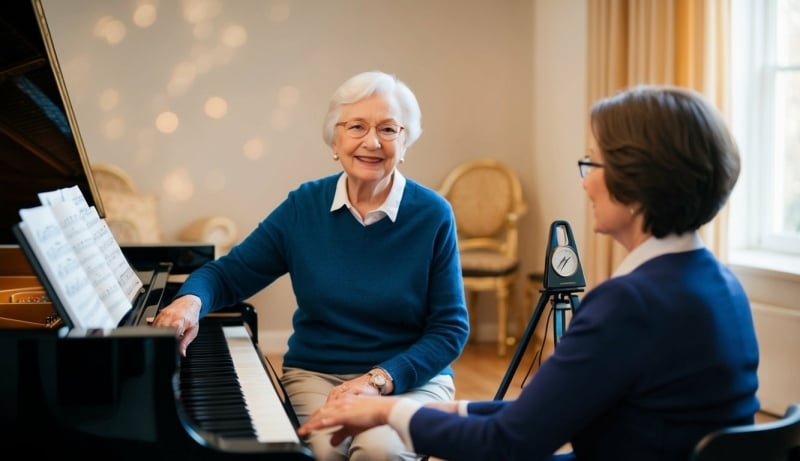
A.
pixel 226 389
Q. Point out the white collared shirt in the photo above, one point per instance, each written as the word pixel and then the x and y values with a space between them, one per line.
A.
pixel 388 208
pixel 654 247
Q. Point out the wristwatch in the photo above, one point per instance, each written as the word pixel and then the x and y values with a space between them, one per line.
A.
pixel 378 381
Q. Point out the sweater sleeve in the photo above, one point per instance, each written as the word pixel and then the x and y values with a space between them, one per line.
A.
pixel 556 401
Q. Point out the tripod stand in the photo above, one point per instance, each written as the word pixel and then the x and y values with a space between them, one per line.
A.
pixel 563 300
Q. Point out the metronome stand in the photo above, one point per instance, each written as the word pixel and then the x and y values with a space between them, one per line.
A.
pixel 563 300
pixel 562 278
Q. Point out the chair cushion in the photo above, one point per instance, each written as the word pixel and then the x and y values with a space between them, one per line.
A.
pixel 483 263
pixel 132 217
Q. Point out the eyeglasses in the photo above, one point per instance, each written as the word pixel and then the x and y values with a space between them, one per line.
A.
pixel 585 166
pixel 387 131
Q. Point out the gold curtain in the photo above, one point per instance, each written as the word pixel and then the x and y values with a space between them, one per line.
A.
pixel 678 42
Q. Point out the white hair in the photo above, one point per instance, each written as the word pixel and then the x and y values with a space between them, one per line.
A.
pixel 366 84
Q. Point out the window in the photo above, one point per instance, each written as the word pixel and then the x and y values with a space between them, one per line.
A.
pixel 765 211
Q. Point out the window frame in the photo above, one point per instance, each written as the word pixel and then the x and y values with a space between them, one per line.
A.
pixel 753 238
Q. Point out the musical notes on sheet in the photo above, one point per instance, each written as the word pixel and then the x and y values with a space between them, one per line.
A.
pixel 81 258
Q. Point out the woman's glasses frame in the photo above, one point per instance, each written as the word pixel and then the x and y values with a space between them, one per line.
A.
pixel 357 129
pixel 585 166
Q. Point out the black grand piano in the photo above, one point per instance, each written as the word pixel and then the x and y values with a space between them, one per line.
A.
pixel 125 392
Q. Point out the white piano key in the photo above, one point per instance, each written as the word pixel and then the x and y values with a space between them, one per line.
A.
pixel 265 407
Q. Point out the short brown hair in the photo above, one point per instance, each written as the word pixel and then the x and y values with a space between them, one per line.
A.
pixel 669 150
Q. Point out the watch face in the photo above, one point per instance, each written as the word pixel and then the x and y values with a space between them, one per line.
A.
pixel 378 381
pixel 564 261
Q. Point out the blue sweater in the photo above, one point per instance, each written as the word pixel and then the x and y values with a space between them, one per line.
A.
pixel 652 361
pixel 389 294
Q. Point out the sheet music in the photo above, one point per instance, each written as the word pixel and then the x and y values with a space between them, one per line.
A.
pixel 105 241
pixel 82 260
pixel 63 268
pixel 103 238
pixel 68 194
pixel 92 259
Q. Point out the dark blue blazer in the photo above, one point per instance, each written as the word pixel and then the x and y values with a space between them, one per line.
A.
pixel 651 361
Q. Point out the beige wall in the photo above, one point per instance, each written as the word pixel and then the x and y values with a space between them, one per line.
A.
pixel 501 78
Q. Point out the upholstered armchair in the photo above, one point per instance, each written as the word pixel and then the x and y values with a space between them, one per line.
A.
pixel 132 214
pixel 486 196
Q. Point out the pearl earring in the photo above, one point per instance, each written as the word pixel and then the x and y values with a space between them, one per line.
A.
pixel 335 157
pixel 402 160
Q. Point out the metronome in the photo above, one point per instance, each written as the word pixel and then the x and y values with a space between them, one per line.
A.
pixel 562 266
pixel 563 279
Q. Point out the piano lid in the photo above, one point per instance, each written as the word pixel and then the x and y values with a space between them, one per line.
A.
pixel 40 144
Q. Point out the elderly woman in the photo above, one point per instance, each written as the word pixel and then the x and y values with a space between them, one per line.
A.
pixel 373 259
pixel 657 356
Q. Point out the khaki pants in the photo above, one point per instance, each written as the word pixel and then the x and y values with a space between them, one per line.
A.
pixel 308 391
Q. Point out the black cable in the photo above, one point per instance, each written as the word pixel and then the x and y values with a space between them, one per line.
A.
pixel 540 352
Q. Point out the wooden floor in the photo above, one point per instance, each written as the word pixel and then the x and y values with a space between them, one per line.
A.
pixel 479 372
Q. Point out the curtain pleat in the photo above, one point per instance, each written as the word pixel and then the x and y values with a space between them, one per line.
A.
pixel 680 42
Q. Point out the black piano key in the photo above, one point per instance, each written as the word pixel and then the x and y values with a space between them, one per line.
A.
pixel 209 389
